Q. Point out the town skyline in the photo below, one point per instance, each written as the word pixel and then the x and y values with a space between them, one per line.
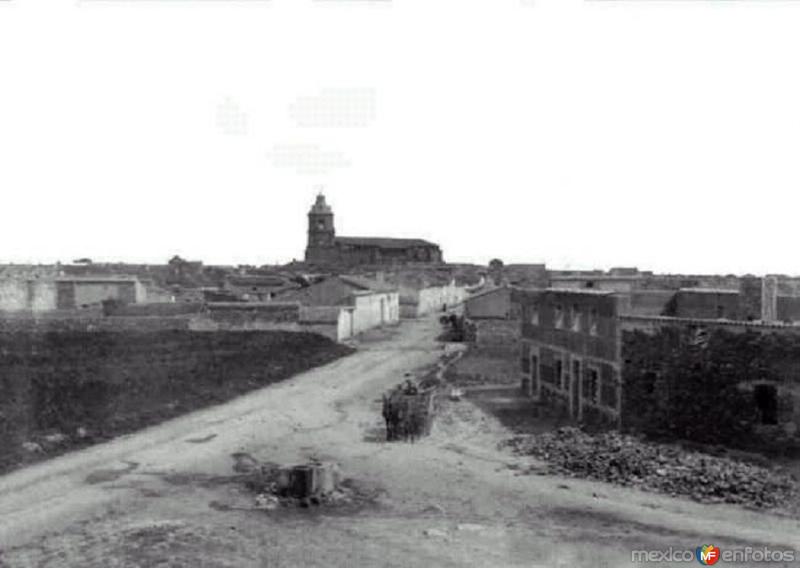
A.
pixel 550 141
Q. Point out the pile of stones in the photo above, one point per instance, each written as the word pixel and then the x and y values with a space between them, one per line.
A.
pixel 630 461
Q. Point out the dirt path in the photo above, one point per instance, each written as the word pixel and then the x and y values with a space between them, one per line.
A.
pixel 166 496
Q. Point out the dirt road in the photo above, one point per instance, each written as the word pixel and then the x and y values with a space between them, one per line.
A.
pixel 166 496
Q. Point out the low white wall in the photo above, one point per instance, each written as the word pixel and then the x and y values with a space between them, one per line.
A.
pixel 416 303
pixel 335 322
pixel 374 310
pixel 19 294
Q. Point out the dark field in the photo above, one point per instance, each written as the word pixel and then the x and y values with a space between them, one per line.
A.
pixel 63 390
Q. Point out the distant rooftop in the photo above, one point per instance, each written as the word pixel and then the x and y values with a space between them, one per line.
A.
pixel 582 291
pixel 710 290
pixel 98 278
pixel 256 280
pixel 599 277
pixel 383 242
pixel 587 291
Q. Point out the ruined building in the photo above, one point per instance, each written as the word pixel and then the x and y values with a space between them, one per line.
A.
pixel 708 379
pixel 324 247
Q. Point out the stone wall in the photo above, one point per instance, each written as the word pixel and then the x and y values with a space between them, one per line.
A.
pixel 242 316
pixel 156 309
pixel 716 384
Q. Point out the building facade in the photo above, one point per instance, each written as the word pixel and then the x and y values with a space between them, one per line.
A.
pixel 324 247
pixel 570 351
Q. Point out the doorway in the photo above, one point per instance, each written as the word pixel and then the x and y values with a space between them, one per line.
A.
pixel 575 390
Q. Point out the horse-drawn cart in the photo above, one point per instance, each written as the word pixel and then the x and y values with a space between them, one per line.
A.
pixel 408 412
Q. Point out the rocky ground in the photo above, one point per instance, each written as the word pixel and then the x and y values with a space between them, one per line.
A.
pixel 173 495
pixel 667 468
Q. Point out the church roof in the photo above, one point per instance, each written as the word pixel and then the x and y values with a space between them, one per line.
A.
pixel 382 242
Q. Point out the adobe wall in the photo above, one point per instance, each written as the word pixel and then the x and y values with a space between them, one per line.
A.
pixel 90 293
pixel 21 294
pixel 334 322
pixel 646 302
pixel 416 302
pixel 375 309
pixel 491 304
pixel 788 308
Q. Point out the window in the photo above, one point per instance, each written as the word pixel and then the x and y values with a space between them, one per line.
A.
pixel 559 378
pixel 559 317
pixel 591 384
pixel 575 318
pixel 766 399
pixel 593 319
pixel 533 314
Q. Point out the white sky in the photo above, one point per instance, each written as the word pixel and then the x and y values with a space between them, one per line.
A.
pixel 584 134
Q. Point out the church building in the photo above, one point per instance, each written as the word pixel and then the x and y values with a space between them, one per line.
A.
pixel 324 247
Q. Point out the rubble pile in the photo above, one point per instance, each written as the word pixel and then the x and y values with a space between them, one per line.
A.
pixel 630 461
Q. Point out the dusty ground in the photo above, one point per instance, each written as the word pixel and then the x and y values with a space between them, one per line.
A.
pixel 166 496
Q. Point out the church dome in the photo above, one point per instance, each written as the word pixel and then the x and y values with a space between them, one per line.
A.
pixel 320 206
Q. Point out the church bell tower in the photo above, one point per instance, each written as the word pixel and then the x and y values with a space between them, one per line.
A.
pixel 321 233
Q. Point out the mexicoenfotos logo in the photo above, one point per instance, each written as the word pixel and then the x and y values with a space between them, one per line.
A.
pixel 707 555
